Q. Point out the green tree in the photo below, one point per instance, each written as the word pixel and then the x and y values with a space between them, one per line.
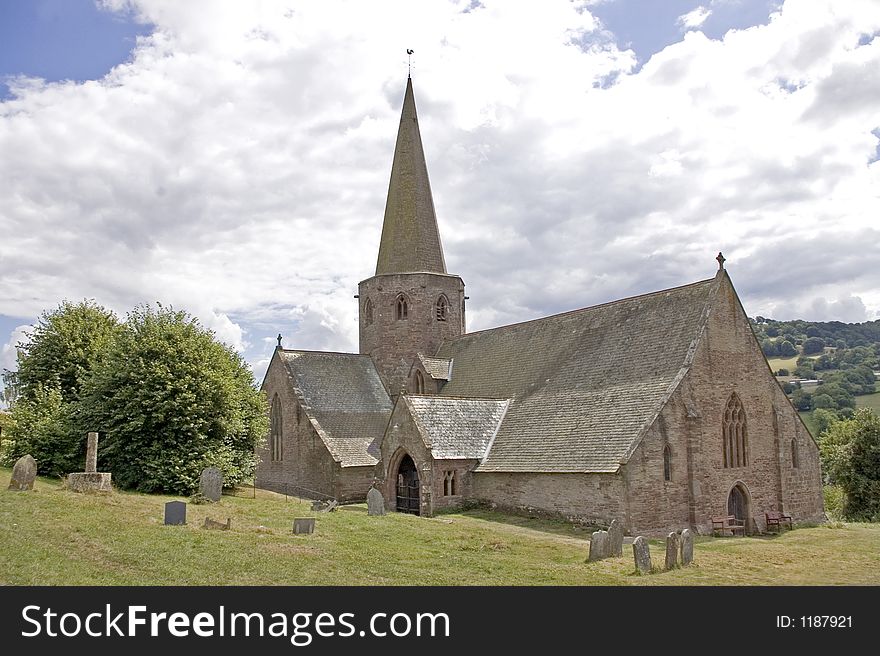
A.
pixel 823 401
pixel 63 348
pixel 42 427
pixel 850 452
pixel 170 400
pixel 787 349
pixel 823 419
pixel 801 400
pixel 813 345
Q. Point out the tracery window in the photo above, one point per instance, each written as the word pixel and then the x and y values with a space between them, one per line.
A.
pixel 734 435
pixel 450 484
pixel 402 310
pixel 442 308
pixel 667 463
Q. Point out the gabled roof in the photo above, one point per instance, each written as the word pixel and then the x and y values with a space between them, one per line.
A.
pixel 437 368
pixel 456 428
pixel 410 238
pixel 344 398
pixel 585 384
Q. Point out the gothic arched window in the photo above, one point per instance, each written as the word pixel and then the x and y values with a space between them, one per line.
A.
pixel 795 456
pixel 667 463
pixel 276 432
pixel 368 312
pixel 402 310
pixel 419 382
pixel 442 308
pixel 735 441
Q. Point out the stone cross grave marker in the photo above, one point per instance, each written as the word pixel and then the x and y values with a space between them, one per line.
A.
pixel 175 513
pixel 642 555
pixel 23 474
pixel 615 538
pixel 687 547
pixel 672 549
pixel 598 546
pixel 375 502
pixel 211 483
pixel 91 480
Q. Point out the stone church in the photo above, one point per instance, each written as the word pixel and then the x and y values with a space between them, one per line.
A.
pixel 659 409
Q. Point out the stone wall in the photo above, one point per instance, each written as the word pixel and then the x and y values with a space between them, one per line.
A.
pixel 589 498
pixel 307 468
pixel 392 343
pixel 728 360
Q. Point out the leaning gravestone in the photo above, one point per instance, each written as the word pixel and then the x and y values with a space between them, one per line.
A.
pixel 375 502
pixel 211 483
pixel 175 513
pixel 304 525
pixel 598 546
pixel 672 549
pixel 687 547
pixel 642 555
pixel 91 480
pixel 23 474
pixel 615 538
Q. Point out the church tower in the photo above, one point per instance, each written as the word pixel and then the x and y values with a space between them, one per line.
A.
pixel 411 305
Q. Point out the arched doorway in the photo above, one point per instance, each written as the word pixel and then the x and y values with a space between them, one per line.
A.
pixel 738 503
pixel 408 486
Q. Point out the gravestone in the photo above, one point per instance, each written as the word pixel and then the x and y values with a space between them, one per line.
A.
pixel 687 547
pixel 327 505
pixel 23 474
pixel 642 555
pixel 672 549
pixel 211 483
pixel 220 526
pixel 375 502
pixel 615 538
pixel 598 546
pixel 304 525
pixel 175 513
pixel 90 480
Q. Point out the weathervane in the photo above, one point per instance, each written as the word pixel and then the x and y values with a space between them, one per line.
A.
pixel 409 54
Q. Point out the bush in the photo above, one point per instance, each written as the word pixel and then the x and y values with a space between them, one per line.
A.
pixel 783 372
pixel 787 349
pixel 170 401
pixel 850 452
pixel 834 500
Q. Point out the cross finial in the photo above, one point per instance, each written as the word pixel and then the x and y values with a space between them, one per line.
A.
pixel 721 259
pixel 409 54
pixel 279 340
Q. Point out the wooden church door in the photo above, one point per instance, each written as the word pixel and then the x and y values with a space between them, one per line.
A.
pixel 408 487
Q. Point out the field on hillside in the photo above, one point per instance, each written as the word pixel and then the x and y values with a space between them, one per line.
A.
pixel 54 537
pixel 869 401
pixel 783 363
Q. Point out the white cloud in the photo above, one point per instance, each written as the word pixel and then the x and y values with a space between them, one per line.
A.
pixel 237 166
pixel 694 18
pixel 9 352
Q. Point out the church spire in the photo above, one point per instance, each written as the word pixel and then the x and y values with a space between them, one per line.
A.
pixel 410 238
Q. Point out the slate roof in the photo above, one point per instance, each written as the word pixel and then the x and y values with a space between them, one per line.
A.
pixel 437 368
pixel 457 428
pixel 584 385
pixel 345 400
pixel 410 237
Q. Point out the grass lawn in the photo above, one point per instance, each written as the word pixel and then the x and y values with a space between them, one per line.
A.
pixel 869 401
pixel 807 417
pixel 783 363
pixel 54 537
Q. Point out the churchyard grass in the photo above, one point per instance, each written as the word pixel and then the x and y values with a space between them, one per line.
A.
pixel 51 536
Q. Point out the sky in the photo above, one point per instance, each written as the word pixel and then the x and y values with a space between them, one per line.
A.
pixel 232 159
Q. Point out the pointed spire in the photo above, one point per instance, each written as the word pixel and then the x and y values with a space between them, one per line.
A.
pixel 410 238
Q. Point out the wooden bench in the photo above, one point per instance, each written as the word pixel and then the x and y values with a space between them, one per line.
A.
pixel 728 523
pixel 777 519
